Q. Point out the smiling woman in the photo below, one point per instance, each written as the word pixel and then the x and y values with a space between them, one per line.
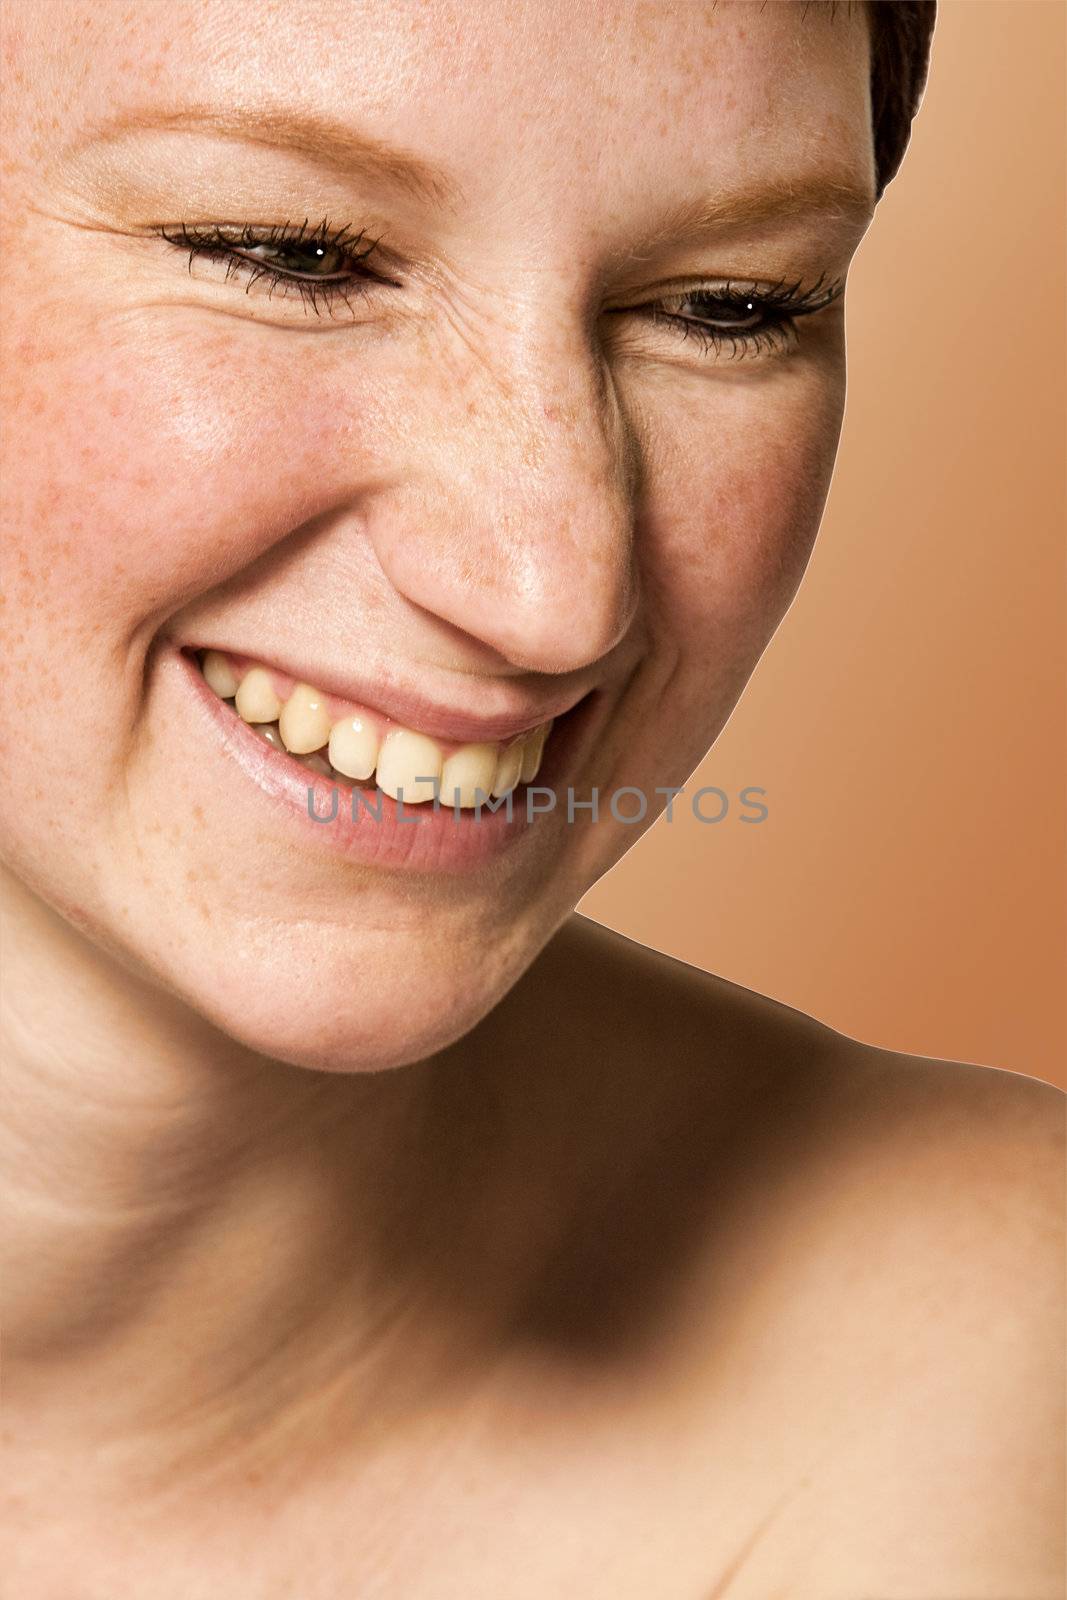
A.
pixel 419 419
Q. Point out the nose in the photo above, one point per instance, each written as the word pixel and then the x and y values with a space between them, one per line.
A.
pixel 514 522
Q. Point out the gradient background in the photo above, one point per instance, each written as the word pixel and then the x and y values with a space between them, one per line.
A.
pixel 907 721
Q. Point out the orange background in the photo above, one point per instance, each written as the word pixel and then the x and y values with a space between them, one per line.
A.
pixel 907 722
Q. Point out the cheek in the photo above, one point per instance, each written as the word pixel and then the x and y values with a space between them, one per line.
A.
pixel 731 502
pixel 182 461
pixel 147 463
pixel 734 506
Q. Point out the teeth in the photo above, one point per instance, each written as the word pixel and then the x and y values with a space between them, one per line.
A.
pixel 256 700
pixel 219 674
pixel 404 757
pixel 353 747
pixel 304 723
pixel 509 769
pixel 531 760
pixel 468 769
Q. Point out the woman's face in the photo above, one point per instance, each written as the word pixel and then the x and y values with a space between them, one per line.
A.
pixel 557 446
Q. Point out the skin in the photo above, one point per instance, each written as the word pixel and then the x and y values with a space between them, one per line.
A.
pixel 308 1203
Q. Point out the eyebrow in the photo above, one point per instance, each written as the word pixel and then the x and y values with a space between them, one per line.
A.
pixel 816 194
pixel 328 142
pixel 336 144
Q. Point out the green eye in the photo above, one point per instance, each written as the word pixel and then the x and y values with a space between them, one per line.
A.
pixel 744 319
pixel 720 313
pixel 298 260
pixel 321 264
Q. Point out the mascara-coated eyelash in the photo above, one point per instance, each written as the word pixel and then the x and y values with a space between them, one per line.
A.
pixel 745 318
pixel 321 264
pixel 324 266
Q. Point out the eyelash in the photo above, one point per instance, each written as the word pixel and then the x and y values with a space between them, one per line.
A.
pixel 778 305
pixel 227 245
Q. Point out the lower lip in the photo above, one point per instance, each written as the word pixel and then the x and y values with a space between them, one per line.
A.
pixel 414 838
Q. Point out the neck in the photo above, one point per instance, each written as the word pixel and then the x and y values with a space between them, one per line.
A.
pixel 206 1246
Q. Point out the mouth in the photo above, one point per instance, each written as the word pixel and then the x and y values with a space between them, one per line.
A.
pixel 359 746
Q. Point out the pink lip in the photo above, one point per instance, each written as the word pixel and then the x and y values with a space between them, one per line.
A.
pixel 412 709
pixel 416 838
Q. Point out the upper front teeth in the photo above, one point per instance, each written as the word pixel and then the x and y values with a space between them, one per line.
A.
pixel 509 769
pixel 353 747
pixel 356 746
pixel 409 761
pixel 304 723
pixel 472 767
pixel 256 700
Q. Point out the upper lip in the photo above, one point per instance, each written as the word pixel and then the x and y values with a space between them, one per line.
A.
pixel 413 708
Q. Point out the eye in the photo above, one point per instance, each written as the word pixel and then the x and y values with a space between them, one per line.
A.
pixel 743 318
pixel 715 311
pixel 312 260
pixel 322 265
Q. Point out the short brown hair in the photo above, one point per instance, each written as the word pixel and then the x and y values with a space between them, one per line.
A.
pixel 900 55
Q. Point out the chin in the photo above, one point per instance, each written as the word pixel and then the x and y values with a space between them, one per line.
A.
pixel 350 1003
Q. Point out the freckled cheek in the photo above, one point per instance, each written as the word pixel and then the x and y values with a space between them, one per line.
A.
pixel 147 474
pixel 735 511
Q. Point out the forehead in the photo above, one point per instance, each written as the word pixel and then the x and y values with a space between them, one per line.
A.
pixel 627 96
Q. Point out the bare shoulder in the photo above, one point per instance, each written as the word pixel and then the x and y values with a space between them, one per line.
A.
pixel 932 1224
pixel 969 1158
pixel 712 1021
pixel 893 1268
pixel 880 1098
pixel 979 1148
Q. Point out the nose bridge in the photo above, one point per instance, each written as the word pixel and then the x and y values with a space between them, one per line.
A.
pixel 526 531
